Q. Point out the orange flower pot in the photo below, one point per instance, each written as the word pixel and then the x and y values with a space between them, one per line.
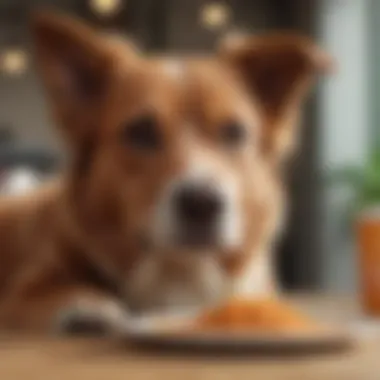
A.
pixel 368 234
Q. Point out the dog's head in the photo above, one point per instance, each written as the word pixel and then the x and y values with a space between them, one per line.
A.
pixel 176 154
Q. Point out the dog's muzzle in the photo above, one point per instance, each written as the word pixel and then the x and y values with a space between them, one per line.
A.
pixel 198 213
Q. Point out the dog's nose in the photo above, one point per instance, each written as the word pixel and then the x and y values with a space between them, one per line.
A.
pixel 198 204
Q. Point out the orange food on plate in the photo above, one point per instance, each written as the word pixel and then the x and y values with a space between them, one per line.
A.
pixel 267 315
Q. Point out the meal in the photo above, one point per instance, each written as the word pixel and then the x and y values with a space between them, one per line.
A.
pixel 263 315
pixel 237 324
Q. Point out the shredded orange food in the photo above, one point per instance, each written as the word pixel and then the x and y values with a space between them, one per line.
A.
pixel 267 315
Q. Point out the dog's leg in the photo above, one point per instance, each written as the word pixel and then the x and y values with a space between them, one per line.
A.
pixel 73 310
pixel 86 314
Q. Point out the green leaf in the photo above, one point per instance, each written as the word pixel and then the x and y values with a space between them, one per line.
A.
pixel 364 182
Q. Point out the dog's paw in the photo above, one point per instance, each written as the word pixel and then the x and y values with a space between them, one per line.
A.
pixel 93 317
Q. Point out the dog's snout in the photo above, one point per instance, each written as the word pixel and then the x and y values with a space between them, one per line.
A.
pixel 198 204
pixel 199 213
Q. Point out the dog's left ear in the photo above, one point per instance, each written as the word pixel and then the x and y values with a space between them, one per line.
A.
pixel 278 71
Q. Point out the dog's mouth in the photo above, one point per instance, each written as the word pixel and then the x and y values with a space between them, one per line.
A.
pixel 195 240
pixel 198 238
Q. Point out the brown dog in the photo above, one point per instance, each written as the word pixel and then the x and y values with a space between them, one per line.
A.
pixel 172 195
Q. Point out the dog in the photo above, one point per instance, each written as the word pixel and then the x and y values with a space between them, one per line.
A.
pixel 172 195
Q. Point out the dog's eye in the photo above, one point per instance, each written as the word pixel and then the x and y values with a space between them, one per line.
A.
pixel 143 133
pixel 233 133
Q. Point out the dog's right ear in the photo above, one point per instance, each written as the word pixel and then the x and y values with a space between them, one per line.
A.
pixel 74 64
pixel 278 71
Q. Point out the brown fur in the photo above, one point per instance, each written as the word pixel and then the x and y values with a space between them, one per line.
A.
pixel 80 237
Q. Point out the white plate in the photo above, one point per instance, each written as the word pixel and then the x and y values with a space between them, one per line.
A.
pixel 162 331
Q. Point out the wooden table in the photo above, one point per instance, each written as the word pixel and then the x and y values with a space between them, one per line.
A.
pixel 30 359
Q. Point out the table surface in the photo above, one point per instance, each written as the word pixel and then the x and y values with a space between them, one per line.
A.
pixel 37 358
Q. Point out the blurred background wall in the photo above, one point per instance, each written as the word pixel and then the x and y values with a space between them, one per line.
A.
pixel 346 109
pixel 339 123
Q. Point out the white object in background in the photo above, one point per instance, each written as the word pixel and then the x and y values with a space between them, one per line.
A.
pixel 19 180
pixel 106 7
pixel 215 15
pixel 14 62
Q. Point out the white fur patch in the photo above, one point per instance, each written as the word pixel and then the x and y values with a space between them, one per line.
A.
pixel 256 279
pixel 197 281
pixel 174 69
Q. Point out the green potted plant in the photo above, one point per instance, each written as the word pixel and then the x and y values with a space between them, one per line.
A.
pixel 364 182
